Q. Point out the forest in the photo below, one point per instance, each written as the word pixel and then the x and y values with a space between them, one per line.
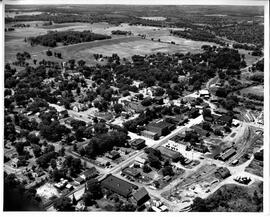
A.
pixel 66 37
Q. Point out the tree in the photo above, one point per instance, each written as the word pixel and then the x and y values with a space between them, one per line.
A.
pixel 49 53
pixel 206 112
pixel 167 171
pixel 206 126
pixel 53 163
pixel 118 108
pixel 88 199
pixel 63 204
pixel 37 150
pixel 146 169
pixel 199 205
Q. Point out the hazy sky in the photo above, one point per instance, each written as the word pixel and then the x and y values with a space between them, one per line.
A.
pixel 143 2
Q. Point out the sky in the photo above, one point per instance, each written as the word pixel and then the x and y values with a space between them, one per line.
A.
pixel 142 2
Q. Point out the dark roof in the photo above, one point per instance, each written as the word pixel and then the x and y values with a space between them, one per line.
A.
pixel 140 194
pixel 118 185
pixel 131 172
pixel 178 138
pixel 136 142
pixel 169 153
pixel 228 153
pixel 114 153
pixel 160 124
pixel 224 172
pixel 79 179
pixel 225 118
pixel 90 172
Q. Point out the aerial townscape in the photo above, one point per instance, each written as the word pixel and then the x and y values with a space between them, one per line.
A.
pixel 146 108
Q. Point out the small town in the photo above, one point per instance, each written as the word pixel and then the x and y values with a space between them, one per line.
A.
pixel 150 132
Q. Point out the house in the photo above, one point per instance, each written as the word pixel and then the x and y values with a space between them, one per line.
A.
pixel 204 93
pixel 150 135
pixel 169 154
pixel 223 172
pixel 139 161
pixel 141 196
pixel 159 100
pixel 14 162
pixel 90 173
pixel 161 127
pixel 208 118
pixel 63 114
pixel 167 178
pixel 131 172
pixel 113 155
pixel 137 144
pixel 227 154
pixel 118 186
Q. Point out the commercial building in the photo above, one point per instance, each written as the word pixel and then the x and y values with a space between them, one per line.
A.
pixel 150 135
pixel 137 144
pixel 118 186
pixel 227 154
pixel 113 155
pixel 141 196
pixel 139 161
pixel 169 154
pixel 161 127
pixel 224 119
pixel 90 173
pixel 131 172
pixel 223 172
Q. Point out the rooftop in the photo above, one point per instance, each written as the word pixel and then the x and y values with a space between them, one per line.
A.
pixel 118 185
pixel 160 124
pixel 140 194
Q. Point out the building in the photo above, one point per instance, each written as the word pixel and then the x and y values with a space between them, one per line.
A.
pixel 169 154
pixel 150 135
pixel 137 144
pixel 177 119
pixel 200 148
pixel 139 161
pixel 141 196
pixel 79 180
pixel 14 162
pixel 63 114
pixel 131 172
pixel 113 155
pixel 161 127
pixel 204 93
pixel 227 154
pixel 90 173
pixel 223 172
pixel 118 186
pixel 224 120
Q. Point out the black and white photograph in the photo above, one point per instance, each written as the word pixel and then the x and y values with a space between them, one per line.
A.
pixel 132 106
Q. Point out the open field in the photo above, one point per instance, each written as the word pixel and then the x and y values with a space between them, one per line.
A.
pixel 123 46
pixel 258 90
pixel 154 18
pixel 248 57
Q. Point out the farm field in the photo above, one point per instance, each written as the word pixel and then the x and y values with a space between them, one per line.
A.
pixel 258 90
pixel 124 46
